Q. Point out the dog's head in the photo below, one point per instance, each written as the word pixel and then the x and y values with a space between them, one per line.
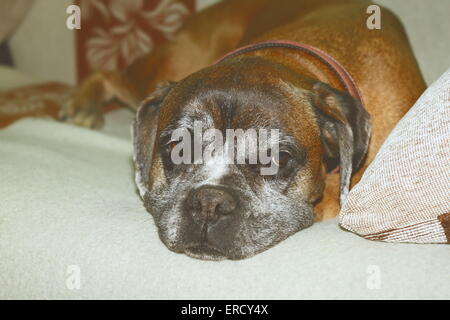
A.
pixel 212 208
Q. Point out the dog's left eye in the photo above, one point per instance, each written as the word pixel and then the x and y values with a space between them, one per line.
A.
pixel 283 159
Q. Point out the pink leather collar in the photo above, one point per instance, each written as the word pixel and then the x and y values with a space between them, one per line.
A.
pixel 345 77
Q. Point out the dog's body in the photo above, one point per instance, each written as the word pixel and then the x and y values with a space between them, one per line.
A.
pixel 307 102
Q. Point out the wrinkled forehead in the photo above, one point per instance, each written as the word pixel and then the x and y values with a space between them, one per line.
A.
pixel 230 108
pixel 233 96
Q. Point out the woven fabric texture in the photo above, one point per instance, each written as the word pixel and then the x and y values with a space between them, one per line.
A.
pixel 404 195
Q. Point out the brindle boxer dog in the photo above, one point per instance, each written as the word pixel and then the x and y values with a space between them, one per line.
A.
pixel 233 212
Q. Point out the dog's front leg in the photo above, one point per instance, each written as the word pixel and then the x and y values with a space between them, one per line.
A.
pixel 85 107
pixel 328 207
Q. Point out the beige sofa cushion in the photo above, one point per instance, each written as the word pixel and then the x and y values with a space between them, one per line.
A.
pixel 404 195
pixel 11 14
pixel 42 46
pixel 68 202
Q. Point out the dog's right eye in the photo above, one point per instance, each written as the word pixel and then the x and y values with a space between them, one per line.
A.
pixel 177 152
pixel 172 144
pixel 167 154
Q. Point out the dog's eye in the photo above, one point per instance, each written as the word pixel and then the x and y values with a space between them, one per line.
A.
pixel 172 144
pixel 180 154
pixel 167 154
pixel 283 159
pixel 283 162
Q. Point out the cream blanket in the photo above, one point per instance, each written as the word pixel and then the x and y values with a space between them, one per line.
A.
pixel 72 226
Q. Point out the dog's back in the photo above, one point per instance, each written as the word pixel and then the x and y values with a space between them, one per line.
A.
pixel 381 61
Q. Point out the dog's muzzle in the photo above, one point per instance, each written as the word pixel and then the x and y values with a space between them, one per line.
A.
pixel 212 216
pixel 208 205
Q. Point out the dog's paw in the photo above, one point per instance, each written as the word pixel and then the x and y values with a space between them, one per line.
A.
pixel 82 114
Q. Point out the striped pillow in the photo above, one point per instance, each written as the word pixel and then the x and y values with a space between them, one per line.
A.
pixel 404 195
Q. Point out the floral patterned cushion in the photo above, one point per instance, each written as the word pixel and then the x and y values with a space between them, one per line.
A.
pixel 115 32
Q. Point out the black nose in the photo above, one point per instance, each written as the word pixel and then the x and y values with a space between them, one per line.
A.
pixel 211 203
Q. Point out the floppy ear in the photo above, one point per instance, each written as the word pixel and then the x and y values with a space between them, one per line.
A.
pixel 144 130
pixel 345 131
